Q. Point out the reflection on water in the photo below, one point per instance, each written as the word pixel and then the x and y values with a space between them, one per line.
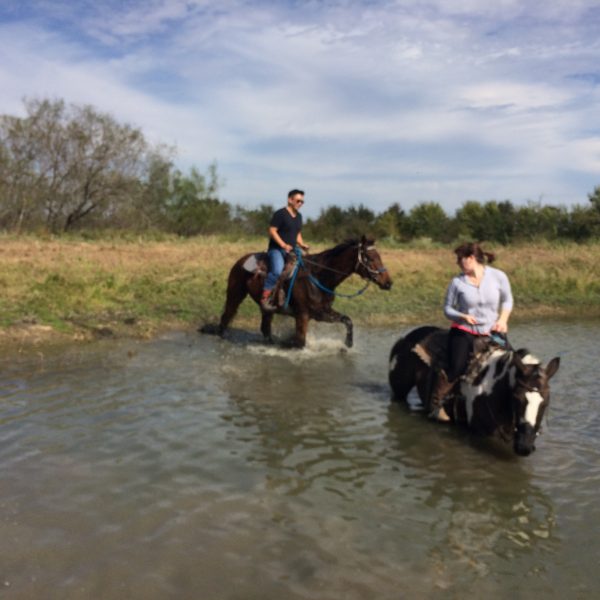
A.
pixel 196 467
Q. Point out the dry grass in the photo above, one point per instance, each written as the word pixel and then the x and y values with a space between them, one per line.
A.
pixel 83 289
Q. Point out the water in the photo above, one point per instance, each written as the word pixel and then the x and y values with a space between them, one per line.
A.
pixel 195 467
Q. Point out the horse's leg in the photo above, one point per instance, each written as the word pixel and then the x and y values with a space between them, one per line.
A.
pixel 332 316
pixel 265 326
pixel 301 329
pixel 236 292
pixel 402 379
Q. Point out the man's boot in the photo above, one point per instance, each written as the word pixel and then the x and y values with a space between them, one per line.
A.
pixel 436 405
pixel 266 301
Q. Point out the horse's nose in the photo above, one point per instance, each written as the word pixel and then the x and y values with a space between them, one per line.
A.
pixel 387 285
pixel 523 450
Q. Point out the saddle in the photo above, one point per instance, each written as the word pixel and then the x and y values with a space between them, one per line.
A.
pixel 258 264
pixel 432 350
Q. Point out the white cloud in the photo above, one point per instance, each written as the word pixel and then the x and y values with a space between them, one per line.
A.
pixel 455 99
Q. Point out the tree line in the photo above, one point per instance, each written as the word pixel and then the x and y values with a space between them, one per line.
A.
pixel 67 168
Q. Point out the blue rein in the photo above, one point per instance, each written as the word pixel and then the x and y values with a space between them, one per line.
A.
pixel 316 282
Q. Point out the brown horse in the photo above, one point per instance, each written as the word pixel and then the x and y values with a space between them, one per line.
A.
pixel 312 283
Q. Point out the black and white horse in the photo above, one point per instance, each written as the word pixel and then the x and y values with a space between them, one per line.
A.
pixel 504 392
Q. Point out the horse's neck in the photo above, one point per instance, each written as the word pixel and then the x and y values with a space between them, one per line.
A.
pixel 333 271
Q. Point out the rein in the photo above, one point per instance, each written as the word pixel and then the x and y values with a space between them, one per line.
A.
pixel 300 262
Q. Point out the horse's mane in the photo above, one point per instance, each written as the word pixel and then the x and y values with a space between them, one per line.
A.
pixel 336 250
pixel 527 357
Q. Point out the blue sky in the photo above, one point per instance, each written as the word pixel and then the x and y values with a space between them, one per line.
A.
pixel 371 101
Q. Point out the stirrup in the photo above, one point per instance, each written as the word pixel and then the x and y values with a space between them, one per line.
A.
pixel 266 305
pixel 438 413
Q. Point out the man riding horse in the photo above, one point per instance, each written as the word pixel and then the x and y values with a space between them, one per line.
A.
pixel 285 233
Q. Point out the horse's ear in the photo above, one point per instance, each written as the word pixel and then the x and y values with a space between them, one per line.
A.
pixel 552 367
pixel 366 241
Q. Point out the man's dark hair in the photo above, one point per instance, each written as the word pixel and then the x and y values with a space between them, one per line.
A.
pixel 294 192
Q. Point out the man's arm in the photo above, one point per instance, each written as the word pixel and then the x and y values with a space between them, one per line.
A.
pixel 300 241
pixel 273 232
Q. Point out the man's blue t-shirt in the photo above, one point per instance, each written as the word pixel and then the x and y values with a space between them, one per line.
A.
pixel 288 227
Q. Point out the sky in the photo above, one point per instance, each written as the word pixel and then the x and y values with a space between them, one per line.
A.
pixel 370 102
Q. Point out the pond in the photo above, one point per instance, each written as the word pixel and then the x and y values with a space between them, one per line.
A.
pixel 195 467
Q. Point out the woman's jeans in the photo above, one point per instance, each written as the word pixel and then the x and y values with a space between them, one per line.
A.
pixel 276 264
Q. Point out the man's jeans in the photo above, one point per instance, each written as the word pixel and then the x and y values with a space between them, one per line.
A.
pixel 276 264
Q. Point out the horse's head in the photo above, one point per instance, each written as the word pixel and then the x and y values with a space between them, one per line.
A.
pixel 531 396
pixel 370 266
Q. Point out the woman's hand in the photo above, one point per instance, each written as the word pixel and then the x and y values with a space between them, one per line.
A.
pixel 500 326
pixel 470 319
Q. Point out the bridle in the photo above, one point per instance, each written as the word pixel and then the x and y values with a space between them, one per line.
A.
pixel 364 260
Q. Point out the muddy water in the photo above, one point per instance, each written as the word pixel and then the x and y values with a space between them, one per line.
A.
pixel 195 467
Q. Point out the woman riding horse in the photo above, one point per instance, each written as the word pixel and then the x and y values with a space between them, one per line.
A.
pixel 503 391
pixel 478 302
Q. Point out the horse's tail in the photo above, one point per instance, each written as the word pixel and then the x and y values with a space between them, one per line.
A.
pixel 406 367
pixel 237 290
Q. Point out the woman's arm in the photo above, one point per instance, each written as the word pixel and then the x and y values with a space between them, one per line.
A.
pixel 506 303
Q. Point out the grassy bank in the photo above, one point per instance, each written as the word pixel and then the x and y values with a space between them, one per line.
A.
pixel 84 289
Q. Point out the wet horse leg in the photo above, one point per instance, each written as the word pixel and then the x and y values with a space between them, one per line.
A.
pixel 301 329
pixel 236 292
pixel 332 316
pixel 265 326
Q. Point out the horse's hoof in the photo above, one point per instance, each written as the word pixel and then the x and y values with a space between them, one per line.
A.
pixel 210 329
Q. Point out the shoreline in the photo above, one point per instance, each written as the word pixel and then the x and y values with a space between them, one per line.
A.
pixel 56 291
pixel 27 338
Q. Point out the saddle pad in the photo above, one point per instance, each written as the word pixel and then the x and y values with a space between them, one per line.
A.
pixel 432 349
pixel 255 261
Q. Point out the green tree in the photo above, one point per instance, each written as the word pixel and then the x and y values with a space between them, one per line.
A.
pixel 254 221
pixel 428 219
pixel 391 223
pixel 64 165
pixel 594 198
pixel 584 223
pixel 491 221
pixel 328 226
pixel 193 207
pixel 359 221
